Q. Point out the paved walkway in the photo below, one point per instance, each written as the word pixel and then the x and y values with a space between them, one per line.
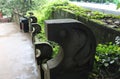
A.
pixel 17 60
pixel 105 8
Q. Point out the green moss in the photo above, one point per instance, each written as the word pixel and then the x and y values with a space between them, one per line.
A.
pixel 98 21
pixel 79 11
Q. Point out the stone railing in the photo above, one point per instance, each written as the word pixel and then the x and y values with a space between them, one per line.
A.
pixel 76 54
pixel 27 24
pixel 102 32
pixel 77 48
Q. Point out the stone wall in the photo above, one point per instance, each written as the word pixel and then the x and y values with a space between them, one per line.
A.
pixel 102 33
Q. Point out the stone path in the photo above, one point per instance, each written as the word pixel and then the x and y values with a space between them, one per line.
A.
pixel 17 60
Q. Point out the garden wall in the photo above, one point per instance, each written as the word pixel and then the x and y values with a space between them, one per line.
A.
pixel 102 33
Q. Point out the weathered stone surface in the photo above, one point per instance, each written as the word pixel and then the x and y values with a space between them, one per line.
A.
pixel 102 33
pixel 109 21
pixel 117 22
pixel 78 46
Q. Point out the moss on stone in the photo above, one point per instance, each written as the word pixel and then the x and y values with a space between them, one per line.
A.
pixel 98 21
pixel 77 10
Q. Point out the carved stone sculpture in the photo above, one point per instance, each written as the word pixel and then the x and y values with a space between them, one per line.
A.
pixel 77 49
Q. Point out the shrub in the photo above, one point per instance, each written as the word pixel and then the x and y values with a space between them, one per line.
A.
pixel 107 62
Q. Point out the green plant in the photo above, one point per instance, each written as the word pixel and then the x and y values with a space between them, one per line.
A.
pixel 79 11
pixel 45 13
pixel 118 5
pixel 107 61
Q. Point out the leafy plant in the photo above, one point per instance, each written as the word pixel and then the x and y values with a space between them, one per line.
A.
pixel 118 5
pixel 107 62
pixel 44 13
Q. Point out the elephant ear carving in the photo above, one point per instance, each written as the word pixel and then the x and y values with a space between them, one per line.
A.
pixel 76 41
pixel 77 49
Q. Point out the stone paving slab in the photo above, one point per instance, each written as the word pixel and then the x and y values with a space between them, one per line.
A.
pixel 17 58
